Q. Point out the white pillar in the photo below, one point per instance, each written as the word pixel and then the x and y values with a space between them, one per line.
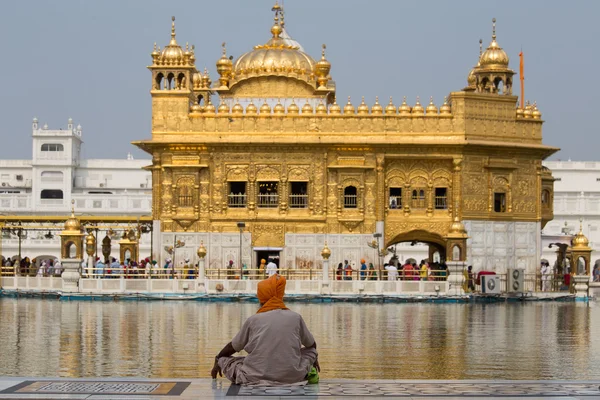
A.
pixel 90 266
pixel 325 277
pixel 456 277
pixel 581 285
pixel 71 275
pixel 201 275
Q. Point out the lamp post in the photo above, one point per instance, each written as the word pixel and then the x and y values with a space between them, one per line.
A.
pixel 241 226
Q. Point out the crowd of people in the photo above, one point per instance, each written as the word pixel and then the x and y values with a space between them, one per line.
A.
pixel 392 271
pixel 47 267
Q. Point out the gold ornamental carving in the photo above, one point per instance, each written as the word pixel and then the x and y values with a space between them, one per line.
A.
pixel 268 235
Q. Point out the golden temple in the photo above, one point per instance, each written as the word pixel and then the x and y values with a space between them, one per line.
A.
pixel 277 152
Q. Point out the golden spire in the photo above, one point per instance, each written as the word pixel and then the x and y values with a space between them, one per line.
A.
pixel 335 108
pixel 377 108
pixel 480 48
pixel 404 108
pixel 363 108
pixel 431 108
pixel 276 29
pixel 418 108
pixel 390 108
pixel 493 29
pixel 349 108
pixel 322 68
pixel 173 41
pixel 445 108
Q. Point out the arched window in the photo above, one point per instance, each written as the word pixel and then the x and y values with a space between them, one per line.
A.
pixel 350 197
pixel 546 198
pixel 51 194
pixel 159 81
pixel 53 147
pixel 418 198
pixel 185 196
pixel 170 83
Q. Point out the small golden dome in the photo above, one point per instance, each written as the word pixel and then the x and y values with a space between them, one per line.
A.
pixel 390 108
pixel 192 56
pixel 363 108
pixel 223 108
pixel 349 108
pixel 322 68
pixel 528 111
pixel 196 108
pixel 224 64
pixel 321 108
pixel 445 109
pixel 72 224
pixel 520 112
pixel 237 109
pixel 472 79
pixel 197 80
pixel 293 108
pixel 210 107
pixel 326 252
pixel 251 108
pixel 580 240
pixel 404 108
pixel 172 54
pixel 494 57
pixel 155 53
pixel 457 228
pixel 206 82
pixel 377 108
pixel 418 110
pixel 432 110
pixel 279 108
pixel 201 250
pixel 307 108
pixel 265 108
pixel 535 113
pixel 335 108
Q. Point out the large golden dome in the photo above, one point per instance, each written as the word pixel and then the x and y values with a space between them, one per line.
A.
pixel 494 57
pixel 276 57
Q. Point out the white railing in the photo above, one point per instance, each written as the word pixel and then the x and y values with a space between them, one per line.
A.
pixel 236 200
pixel 298 201
pixel 270 200
pixel 52 202
pixel 111 203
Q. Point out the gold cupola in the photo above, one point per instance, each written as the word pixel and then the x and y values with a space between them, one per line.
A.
pixel 349 108
pixel 265 108
pixel 322 68
pixel 335 108
pixel 377 109
pixel 293 108
pixel 520 112
pixel 278 68
pixel 445 109
pixel 404 108
pixel 580 240
pixel 251 109
pixel 72 225
pixel 307 108
pixel 418 110
pixel 224 68
pixel 527 113
pixel 363 108
pixel 493 74
pixel 472 77
pixel 279 108
pixel 321 108
pixel 432 110
pixel 172 54
pixel 197 80
pixel 210 107
pixel 390 108
pixel 237 108
pixel 535 112
pixel 223 108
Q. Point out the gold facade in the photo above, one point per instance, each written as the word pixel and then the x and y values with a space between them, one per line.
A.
pixel 477 157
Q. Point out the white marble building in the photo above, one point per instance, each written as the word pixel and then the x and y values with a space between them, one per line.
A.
pixel 56 174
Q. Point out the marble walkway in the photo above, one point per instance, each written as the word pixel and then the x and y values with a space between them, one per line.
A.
pixel 183 389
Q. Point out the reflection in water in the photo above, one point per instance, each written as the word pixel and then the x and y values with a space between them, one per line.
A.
pixel 366 341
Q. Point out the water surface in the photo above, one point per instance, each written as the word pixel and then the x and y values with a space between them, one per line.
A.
pixel 542 340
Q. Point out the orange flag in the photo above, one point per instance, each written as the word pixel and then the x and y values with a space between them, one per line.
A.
pixel 522 78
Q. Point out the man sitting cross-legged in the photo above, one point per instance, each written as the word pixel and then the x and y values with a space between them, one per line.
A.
pixel 273 339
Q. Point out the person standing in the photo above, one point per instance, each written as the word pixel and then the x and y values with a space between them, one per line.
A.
pixel 546 272
pixel 363 269
pixel 271 268
pixel 423 270
pixel 230 270
pixel 57 268
pixel 372 272
pixel 392 272
pixel 347 271
pixel 339 272
pixel 99 269
pixel 596 273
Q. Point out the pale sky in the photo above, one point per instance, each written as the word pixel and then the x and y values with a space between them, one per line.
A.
pixel 87 59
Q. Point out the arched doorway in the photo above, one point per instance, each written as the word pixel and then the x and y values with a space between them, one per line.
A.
pixel 436 244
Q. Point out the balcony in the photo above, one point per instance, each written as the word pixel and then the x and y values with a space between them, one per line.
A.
pixel 270 200
pixel 298 201
pixel 236 200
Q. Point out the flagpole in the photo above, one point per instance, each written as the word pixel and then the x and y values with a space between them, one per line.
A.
pixel 522 78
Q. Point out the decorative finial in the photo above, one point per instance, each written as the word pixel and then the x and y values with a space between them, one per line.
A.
pixel 376 99
pixel 154 46
pixel 493 28
pixel 173 27
pixel 480 47
pixel 323 51
pixel 224 45
pixel 580 224
pixel 72 207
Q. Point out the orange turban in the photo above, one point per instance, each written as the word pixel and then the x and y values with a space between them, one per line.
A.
pixel 270 293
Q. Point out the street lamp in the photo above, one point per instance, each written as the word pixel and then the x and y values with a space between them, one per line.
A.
pixel 241 226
